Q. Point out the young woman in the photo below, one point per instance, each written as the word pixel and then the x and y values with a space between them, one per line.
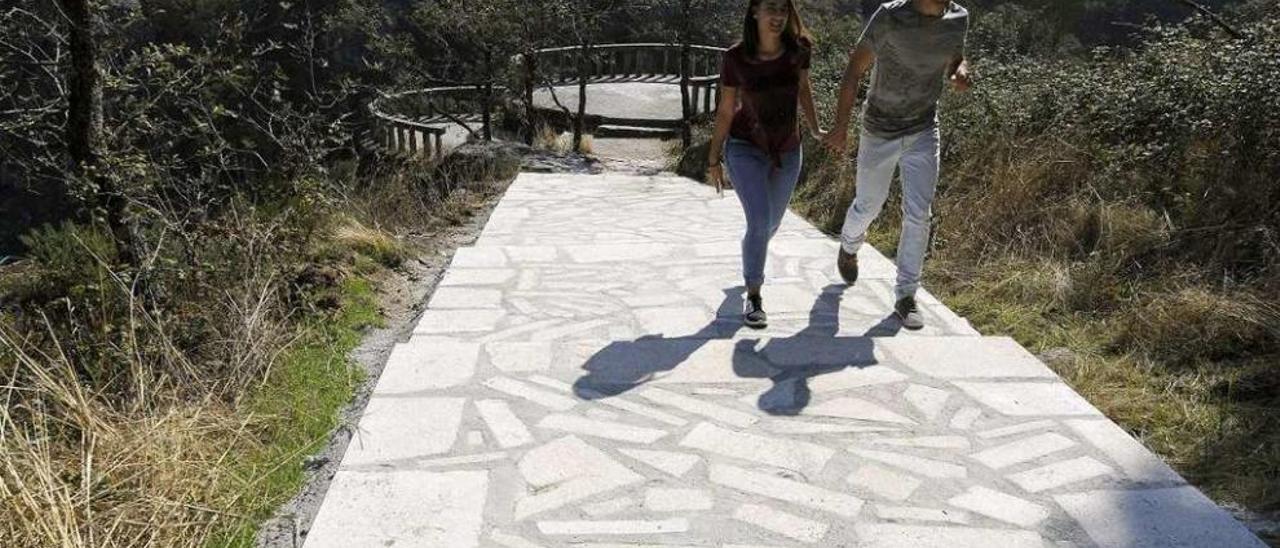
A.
pixel 764 78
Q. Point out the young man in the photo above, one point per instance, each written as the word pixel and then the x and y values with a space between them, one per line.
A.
pixel 915 46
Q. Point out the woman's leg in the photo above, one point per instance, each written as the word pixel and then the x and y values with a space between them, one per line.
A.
pixel 781 186
pixel 749 172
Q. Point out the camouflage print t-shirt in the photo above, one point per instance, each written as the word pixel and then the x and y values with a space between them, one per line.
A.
pixel 913 51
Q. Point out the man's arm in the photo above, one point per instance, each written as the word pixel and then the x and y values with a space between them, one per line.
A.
pixel 860 60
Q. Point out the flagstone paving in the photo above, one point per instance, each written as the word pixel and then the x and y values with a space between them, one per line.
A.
pixel 581 378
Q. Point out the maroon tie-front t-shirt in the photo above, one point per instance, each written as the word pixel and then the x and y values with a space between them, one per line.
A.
pixel 768 98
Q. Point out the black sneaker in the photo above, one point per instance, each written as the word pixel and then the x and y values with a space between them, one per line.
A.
pixel 847 263
pixel 753 313
pixel 908 313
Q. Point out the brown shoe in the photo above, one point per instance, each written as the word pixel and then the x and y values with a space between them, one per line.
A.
pixel 847 263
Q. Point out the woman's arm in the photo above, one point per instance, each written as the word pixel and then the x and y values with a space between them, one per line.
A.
pixel 806 103
pixel 724 119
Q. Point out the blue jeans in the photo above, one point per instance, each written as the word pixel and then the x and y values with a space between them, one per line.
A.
pixel 916 158
pixel 764 191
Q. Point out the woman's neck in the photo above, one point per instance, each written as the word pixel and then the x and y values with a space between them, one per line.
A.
pixel 931 8
pixel 770 46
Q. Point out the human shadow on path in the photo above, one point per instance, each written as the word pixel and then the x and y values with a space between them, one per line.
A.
pixel 789 362
pixel 623 365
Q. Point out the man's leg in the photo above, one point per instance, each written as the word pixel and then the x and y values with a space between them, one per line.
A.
pixel 876 159
pixel 919 181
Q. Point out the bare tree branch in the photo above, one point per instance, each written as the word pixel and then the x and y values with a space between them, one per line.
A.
pixel 1234 32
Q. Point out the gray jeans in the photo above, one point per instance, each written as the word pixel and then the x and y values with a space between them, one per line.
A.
pixel 917 157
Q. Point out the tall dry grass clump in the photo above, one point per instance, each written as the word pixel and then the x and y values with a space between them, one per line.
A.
pixel 121 401
pixel 174 406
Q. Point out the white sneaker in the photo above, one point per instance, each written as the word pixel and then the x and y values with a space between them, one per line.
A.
pixel 753 313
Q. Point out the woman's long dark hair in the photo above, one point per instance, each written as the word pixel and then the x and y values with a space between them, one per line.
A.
pixel 794 36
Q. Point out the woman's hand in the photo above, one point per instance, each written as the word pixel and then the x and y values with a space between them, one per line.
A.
pixel 715 176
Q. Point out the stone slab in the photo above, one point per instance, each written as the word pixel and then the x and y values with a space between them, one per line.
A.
pixel 1137 462
pixel 1028 398
pixel 966 357
pixel 795 492
pixel 1058 474
pixel 401 508
pixel 887 535
pixel 1001 506
pixel 804 457
pixel 394 429
pixel 782 523
pixel 660 499
pixel 1177 517
pixel 427 364
pixel 884 483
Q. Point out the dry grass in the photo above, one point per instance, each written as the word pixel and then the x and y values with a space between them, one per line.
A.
pixel 379 245
pixel 125 425
pixel 547 138
pixel 126 481
pixel 1193 324
pixel 1030 241
pixel 138 442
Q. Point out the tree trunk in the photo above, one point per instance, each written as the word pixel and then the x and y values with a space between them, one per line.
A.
pixel 686 132
pixel 579 120
pixel 686 135
pixel 85 119
pixel 530 80
pixel 84 116
pixel 488 96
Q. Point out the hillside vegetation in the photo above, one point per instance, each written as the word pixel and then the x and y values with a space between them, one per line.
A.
pixel 1116 210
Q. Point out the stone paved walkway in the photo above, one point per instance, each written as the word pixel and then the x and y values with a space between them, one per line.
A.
pixel 580 378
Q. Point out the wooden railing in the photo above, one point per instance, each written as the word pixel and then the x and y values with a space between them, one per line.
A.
pixel 414 122
pixel 648 62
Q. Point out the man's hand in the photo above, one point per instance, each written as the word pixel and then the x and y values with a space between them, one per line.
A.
pixel 961 81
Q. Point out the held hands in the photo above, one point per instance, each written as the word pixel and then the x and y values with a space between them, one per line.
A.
pixel 836 141
pixel 961 80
